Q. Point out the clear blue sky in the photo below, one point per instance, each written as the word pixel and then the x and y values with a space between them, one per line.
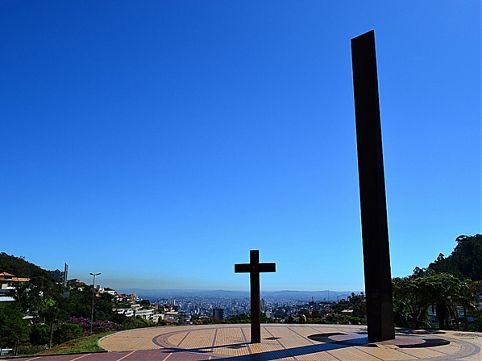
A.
pixel 158 141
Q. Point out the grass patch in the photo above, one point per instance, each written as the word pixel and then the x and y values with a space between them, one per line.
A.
pixel 78 345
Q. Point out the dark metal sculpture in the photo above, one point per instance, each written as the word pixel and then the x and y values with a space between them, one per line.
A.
pixel 376 255
pixel 254 268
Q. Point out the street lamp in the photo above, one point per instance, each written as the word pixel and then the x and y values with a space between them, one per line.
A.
pixel 93 298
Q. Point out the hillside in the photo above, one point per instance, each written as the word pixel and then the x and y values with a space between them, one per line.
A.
pixel 22 268
pixel 464 261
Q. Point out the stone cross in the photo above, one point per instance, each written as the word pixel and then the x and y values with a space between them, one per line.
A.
pixel 376 255
pixel 254 268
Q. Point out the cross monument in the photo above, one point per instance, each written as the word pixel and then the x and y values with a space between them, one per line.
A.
pixel 254 268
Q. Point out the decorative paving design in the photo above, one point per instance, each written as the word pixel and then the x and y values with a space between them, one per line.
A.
pixel 305 342
pixel 280 342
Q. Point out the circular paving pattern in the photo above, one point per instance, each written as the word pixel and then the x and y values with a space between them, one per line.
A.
pixel 305 342
pixel 281 342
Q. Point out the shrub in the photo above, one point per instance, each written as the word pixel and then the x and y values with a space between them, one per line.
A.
pixel 103 326
pixel 67 331
pixel 136 322
pixel 39 334
pixel 97 327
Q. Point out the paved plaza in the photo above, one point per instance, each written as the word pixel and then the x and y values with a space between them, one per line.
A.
pixel 279 342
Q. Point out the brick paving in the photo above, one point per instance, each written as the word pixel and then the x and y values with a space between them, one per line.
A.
pixel 279 342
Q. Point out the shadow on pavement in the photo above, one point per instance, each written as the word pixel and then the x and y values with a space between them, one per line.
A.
pixel 263 356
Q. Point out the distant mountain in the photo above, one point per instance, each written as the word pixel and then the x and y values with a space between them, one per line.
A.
pixel 325 295
pixel 308 295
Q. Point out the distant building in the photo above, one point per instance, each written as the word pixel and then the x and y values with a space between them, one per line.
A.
pixel 218 314
pixel 148 314
pixel 347 312
pixel 8 284
pixel 110 291
pixel 8 278
pixel 65 274
pixel 75 283
pixel 128 312
pixel 122 297
pixel 170 316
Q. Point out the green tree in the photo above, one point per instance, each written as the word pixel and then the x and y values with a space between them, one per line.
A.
pixel 413 295
pixel 358 305
pixel 410 302
pixel 14 329
pixel 39 334
pixel 28 297
pixel 145 303
pixel 240 318
pixel 49 310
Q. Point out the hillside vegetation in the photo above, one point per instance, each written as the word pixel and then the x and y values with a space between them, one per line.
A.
pixel 465 261
pixel 22 268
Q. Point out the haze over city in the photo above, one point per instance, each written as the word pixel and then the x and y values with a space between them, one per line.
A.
pixel 158 144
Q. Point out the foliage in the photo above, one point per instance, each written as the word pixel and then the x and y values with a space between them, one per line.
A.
pixel 358 305
pixel 79 304
pixel 58 313
pixel 67 331
pixel 21 268
pixel 145 303
pixel 465 261
pixel 477 325
pixel 39 334
pixel 241 318
pixel 355 302
pixel 137 322
pixel 119 319
pixel 414 294
pixel 13 328
pixel 82 344
pixel 410 302
pixel 98 325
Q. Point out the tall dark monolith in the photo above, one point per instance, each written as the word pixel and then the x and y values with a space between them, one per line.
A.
pixel 376 254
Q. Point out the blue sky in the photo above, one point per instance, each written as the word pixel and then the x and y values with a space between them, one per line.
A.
pixel 158 141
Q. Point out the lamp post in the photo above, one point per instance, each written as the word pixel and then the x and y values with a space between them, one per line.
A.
pixel 93 298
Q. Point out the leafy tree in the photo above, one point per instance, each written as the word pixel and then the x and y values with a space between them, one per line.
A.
pixel 119 318
pixel 39 334
pixel 241 318
pixel 410 302
pixel 79 302
pixel 145 303
pixel 13 328
pixel 103 307
pixel 48 310
pixel 413 295
pixel 28 297
pixel 358 304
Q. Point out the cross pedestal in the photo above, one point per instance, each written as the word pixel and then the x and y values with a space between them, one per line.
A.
pixel 254 268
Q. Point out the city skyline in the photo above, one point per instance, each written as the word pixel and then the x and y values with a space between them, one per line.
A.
pixel 158 143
